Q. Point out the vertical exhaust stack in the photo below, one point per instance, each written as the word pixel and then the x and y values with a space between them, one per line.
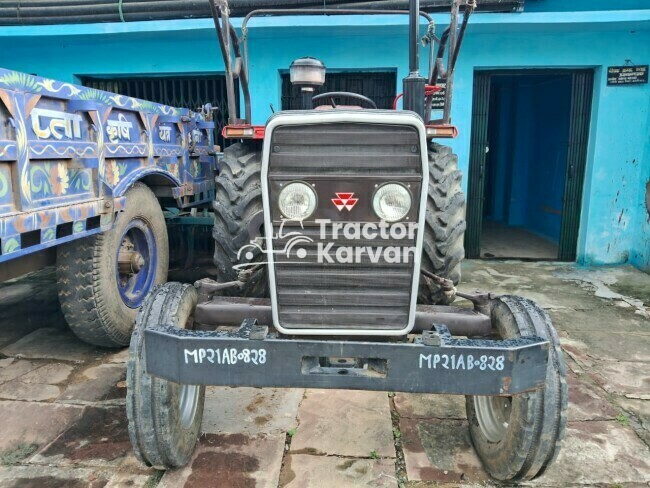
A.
pixel 414 83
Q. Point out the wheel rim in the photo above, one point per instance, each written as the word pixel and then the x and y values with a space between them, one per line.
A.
pixel 136 262
pixel 188 401
pixel 493 415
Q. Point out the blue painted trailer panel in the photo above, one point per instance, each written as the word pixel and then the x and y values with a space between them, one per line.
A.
pixel 69 153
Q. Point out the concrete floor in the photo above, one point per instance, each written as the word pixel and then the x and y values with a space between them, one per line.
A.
pixel 64 424
pixel 500 241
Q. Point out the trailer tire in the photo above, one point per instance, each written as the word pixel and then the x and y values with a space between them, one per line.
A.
pixel 444 230
pixel 164 417
pixel 98 302
pixel 518 437
pixel 238 199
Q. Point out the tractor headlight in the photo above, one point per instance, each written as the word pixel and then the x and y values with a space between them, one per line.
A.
pixel 391 202
pixel 297 201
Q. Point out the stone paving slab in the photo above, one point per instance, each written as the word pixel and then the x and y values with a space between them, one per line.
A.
pixel 33 392
pixel 250 411
pixel 34 423
pixel 424 406
pixel 305 471
pixel 97 384
pixel 53 477
pixel 640 411
pixel 38 384
pixel 586 401
pixel 439 451
pixel 613 346
pixel 98 438
pixel 52 343
pixel 231 460
pixel 12 368
pixel 599 452
pixel 129 480
pixel 631 379
pixel 344 423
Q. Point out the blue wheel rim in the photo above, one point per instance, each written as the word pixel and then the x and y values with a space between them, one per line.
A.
pixel 139 244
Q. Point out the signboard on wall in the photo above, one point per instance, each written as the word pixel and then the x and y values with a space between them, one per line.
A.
pixel 627 75
pixel 438 99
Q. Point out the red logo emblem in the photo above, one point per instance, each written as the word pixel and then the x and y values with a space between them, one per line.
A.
pixel 345 200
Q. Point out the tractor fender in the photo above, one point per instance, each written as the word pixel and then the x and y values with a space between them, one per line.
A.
pixel 143 174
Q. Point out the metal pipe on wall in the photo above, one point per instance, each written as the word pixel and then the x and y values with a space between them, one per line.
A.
pixel 40 12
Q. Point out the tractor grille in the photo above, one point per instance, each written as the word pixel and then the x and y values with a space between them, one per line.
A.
pixel 369 292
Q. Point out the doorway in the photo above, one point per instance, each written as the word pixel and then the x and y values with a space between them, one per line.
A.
pixel 529 141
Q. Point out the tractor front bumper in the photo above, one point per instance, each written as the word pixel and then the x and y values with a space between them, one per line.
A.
pixel 433 362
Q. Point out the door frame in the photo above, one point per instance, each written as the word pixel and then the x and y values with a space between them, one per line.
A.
pixel 582 92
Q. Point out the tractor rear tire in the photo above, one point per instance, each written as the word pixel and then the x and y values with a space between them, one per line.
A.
pixel 238 199
pixel 518 437
pixel 443 250
pixel 164 417
pixel 98 300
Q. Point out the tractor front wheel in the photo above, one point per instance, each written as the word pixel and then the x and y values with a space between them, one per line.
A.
pixel 164 417
pixel 518 437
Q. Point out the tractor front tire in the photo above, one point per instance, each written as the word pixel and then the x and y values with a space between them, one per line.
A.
pixel 238 200
pixel 98 297
pixel 164 417
pixel 442 250
pixel 518 437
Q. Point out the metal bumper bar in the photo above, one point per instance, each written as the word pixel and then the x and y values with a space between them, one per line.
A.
pixel 434 362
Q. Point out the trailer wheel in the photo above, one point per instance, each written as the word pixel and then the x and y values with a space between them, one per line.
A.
pixel 103 279
pixel 238 199
pixel 164 417
pixel 443 250
pixel 518 437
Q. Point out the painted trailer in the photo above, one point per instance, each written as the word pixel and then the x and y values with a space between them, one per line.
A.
pixel 84 178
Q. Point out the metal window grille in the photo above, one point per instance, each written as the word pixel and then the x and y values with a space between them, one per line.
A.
pixel 185 92
pixel 379 86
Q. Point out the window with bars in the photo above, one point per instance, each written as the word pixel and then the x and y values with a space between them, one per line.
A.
pixel 185 92
pixel 379 86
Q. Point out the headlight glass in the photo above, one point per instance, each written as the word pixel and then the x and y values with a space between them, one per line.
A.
pixel 391 202
pixel 297 201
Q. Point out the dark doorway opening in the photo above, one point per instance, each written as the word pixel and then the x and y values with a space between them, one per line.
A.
pixel 379 86
pixel 529 139
pixel 184 92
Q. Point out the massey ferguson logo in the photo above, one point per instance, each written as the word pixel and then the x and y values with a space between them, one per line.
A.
pixel 345 200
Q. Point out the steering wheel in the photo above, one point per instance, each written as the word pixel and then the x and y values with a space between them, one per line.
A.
pixel 333 95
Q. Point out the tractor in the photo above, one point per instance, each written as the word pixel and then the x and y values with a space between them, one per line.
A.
pixel 338 241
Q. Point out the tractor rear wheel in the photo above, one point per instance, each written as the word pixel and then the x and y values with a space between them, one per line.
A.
pixel 443 250
pixel 164 417
pixel 238 200
pixel 518 437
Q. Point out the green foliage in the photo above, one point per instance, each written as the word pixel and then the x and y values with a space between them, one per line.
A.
pixel 623 419
pixel 292 432
pixel 17 454
pixel 154 479
pixel 373 454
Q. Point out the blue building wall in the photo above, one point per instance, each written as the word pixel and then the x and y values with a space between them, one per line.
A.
pixel 614 222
